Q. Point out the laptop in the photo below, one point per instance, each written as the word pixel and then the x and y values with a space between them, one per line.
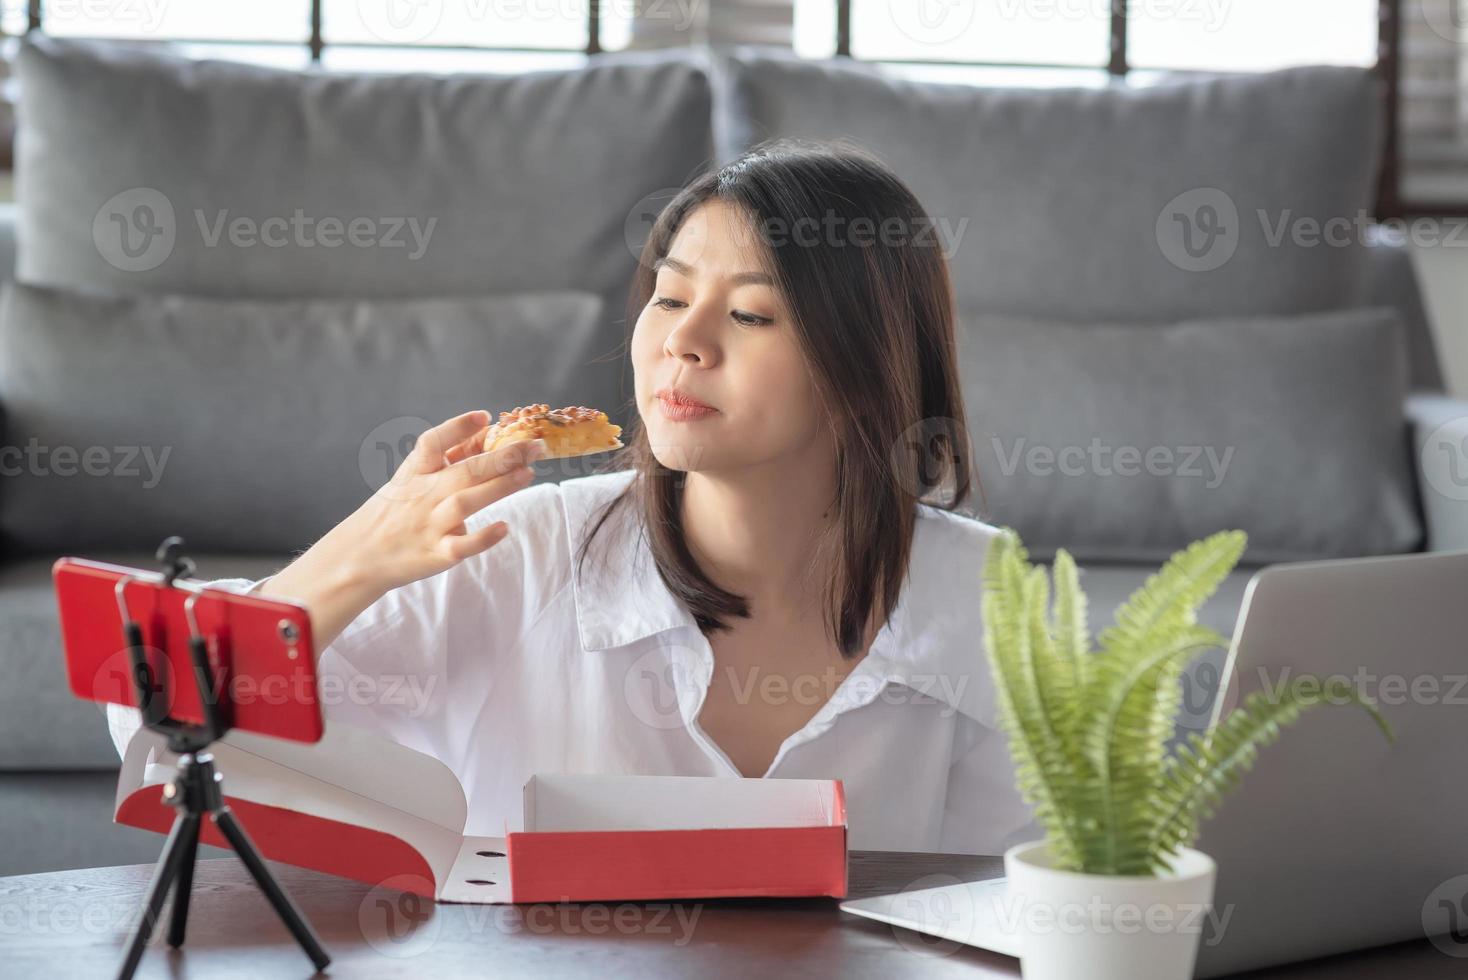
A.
pixel 1335 839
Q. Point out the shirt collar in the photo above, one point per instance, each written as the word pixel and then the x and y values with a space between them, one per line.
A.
pixel 932 642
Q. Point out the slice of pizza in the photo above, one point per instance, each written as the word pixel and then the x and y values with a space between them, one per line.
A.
pixel 571 431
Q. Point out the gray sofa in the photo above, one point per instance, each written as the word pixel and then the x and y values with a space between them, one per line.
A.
pixel 284 364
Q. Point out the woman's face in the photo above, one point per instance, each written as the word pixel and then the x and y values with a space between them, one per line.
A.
pixel 717 330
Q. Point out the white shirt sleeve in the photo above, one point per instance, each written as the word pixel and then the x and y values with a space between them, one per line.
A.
pixel 123 721
pixel 417 665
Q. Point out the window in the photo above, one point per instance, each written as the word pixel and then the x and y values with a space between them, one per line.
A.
pixel 388 35
pixel 1428 51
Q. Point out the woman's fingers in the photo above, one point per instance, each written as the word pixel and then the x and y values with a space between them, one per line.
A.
pixel 482 467
pixel 470 446
pixel 461 546
pixel 432 447
pixel 463 504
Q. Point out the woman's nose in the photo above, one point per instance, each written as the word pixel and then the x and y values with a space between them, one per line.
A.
pixel 691 339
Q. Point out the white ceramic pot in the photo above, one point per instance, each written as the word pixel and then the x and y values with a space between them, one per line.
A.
pixel 1071 926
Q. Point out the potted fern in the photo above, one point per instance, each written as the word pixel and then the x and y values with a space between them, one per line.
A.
pixel 1114 890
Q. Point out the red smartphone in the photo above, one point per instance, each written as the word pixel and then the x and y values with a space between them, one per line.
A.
pixel 260 649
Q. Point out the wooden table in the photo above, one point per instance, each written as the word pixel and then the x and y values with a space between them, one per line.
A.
pixel 73 923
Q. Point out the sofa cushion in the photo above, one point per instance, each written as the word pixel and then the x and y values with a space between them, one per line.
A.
pixel 250 425
pixel 140 170
pixel 42 725
pixel 1151 204
pixel 1125 442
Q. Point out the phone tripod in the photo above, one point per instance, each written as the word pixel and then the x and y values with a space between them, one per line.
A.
pixel 196 788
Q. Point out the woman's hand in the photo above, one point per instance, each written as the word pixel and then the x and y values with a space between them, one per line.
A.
pixel 411 528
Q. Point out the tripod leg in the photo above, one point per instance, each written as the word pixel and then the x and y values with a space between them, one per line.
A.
pixel 284 907
pixel 164 874
pixel 179 921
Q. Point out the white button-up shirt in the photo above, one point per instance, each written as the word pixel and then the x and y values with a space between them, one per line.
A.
pixel 516 662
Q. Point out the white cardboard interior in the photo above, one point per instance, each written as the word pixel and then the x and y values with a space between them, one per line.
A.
pixel 596 802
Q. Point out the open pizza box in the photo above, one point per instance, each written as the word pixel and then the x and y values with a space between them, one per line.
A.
pixel 358 805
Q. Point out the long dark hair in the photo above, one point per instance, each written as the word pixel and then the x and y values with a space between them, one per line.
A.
pixel 874 315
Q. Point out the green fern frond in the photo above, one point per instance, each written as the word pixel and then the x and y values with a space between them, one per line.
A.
pixel 1088 732
pixel 1127 695
pixel 1175 591
pixel 1042 768
pixel 1202 771
pixel 1072 636
pixel 1134 692
pixel 1054 675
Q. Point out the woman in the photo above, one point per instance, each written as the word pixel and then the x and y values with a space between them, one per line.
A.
pixel 753 586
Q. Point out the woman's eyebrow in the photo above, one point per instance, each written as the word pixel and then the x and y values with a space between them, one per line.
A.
pixel 684 269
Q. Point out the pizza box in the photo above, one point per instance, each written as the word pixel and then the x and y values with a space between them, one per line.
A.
pixel 360 806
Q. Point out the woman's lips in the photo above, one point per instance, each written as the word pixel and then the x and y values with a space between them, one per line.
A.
pixel 682 412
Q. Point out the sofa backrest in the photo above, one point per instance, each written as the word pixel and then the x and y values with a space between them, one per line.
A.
pixel 141 171
pixel 1214 196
